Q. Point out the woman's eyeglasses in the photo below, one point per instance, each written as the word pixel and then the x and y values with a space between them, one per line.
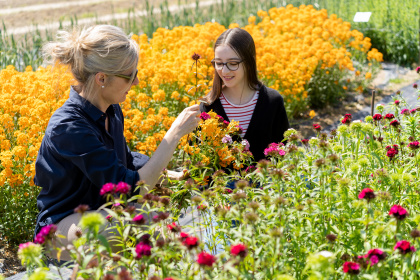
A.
pixel 231 65
pixel 130 77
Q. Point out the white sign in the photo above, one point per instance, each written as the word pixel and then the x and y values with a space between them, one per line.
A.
pixel 362 16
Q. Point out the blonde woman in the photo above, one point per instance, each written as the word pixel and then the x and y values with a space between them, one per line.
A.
pixel 84 146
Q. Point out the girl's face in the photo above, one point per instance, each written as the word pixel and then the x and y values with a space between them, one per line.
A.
pixel 224 58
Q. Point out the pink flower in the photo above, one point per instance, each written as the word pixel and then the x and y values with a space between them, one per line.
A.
pixel 405 111
pixel 418 70
pixel 404 247
pixel 413 111
pixel 139 220
pixel 206 259
pixel 227 139
pixel 122 187
pixel 190 242
pixel 250 169
pixel 183 236
pixel 391 153
pixel 204 116
pixel 316 127
pixel 367 194
pixel 245 143
pixel 239 250
pixel 394 123
pixel 377 117
pixel 108 188
pixel 202 207
pixel 374 256
pixel 398 212
pixel 389 116
pixel 397 102
pixel 174 227
pixel 274 150
pixel 415 85
pixel 45 234
pixel 346 120
pixel 143 249
pixel 414 145
pixel 351 268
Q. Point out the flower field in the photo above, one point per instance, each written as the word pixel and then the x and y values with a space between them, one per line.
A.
pixel 338 204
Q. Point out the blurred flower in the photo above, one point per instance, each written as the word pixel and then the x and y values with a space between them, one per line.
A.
pixel 29 252
pixel 377 117
pixel 196 56
pixel 374 256
pixel 404 247
pixel 139 220
pixel 82 208
pixel 397 102
pixel 389 116
pixel 418 70
pixel 108 188
pixel 394 123
pixel 245 143
pixel 398 212
pixel 143 249
pixel 123 188
pixel 316 127
pixel 206 259
pixel 190 242
pixel 367 194
pixel 405 111
pixel 204 116
pixel 92 221
pixel 239 250
pixel 415 85
pixel 331 237
pixel 414 145
pixel 174 227
pixel 227 139
pixel 351 268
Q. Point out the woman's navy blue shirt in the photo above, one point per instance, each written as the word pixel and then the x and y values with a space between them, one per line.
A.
pixel 78 156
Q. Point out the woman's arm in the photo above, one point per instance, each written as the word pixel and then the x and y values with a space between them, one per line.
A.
pixel 186 122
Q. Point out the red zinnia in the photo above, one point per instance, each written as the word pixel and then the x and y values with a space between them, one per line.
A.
pixel 239 250
pixel 398 212
pixel 206 259
pixel 351 268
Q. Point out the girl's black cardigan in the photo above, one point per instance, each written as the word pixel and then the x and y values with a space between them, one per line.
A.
pixel 268 122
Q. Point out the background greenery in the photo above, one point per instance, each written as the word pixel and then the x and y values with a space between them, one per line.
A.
pixel 393 26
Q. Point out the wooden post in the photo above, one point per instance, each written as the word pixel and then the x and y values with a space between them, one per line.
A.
pixel 372 104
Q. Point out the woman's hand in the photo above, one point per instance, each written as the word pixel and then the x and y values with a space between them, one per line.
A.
pixel 187 121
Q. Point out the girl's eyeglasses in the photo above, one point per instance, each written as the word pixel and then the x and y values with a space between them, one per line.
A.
pixel 130 77
pixel 231 65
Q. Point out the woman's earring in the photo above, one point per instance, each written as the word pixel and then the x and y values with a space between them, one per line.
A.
pixel 103 86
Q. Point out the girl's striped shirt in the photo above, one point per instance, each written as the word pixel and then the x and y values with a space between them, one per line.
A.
pixel 240 113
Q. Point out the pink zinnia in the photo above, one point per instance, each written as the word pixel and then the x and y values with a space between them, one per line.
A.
pixel 404 247
pixel 108 188
pixel 122 187
pixel 351 268
pixel 206 259
pixel 239 250
pixel 143 249
pixel 398 212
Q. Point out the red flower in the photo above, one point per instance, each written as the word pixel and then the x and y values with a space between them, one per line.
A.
pixel 415 85
pixel 367 194
pixel 405 111
pixel 317 127
pixel 404 247
pixel 305 142
pixel 196 56
pixel 374 256
pixel 190 242
pixel 394 123
pixel 174 227
pixel 202 207
pixel 377 117
pixel 397 102
pixel 351 268
pixel 139 220
pixel 204 116
pixel 143 249
pixel 345 120
pixel 398 212
pixel 414 145
pixel 239 250
pixel 391 153
pixel 418 70
pixel 389 116
pixel 183 236
pixel 206 259
pixel 108 188
pixel 122 187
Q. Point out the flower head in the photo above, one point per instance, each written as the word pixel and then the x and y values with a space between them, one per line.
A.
pixel 374 256
pixel 404 247
pixel 377 117
pixel 108 188
pixel 239 250
pixel 190 242
pixel 418 70
pixel 397 102
pixel 204 116
pixel 398 212
pixel 92 221
pixel 367 194
pixel 389 116
pixel 415 85
pixel 391 153
pixel 29 252
pixel 414 145
pixel 196 56
pixel 143 249
pixel 351 268
pixel 174 227
pixel 316 127
pixel 206 259
pixel 227 139
pixel 122 187
pixel 139 220
pixel 405 111
pixel 245 143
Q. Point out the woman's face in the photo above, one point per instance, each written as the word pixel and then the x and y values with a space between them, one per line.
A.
pixel 116 90
pixel 231 78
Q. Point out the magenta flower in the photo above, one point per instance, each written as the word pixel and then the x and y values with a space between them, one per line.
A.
pixel 239 250
pixel 204 116
pixel 174 227
pixel 316 127
pixel 377 117
pixel 206 259
pixel 374 256
pixel 139 220
pixel 418 70
pixel 397 102
pixel 351 268
pixel 346 120
pixel 405 111
pixel 143 249
pixel 250 169
pixel 413 111
pixel 122 187
pixel 389 116
pixel 246 145
pixel 108 188
pixel 414 145
pixel 190 242
pixel 404 247
pixel 45 234
pixel 367 194
pixel 274 150
pixel 394 123
pixel 391 153
pixel 398 212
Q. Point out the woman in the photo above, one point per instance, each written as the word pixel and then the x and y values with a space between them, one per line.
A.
pixel 84 146
pixel 238 95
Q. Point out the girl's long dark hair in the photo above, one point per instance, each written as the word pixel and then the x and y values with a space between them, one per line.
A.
pixel 243 44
